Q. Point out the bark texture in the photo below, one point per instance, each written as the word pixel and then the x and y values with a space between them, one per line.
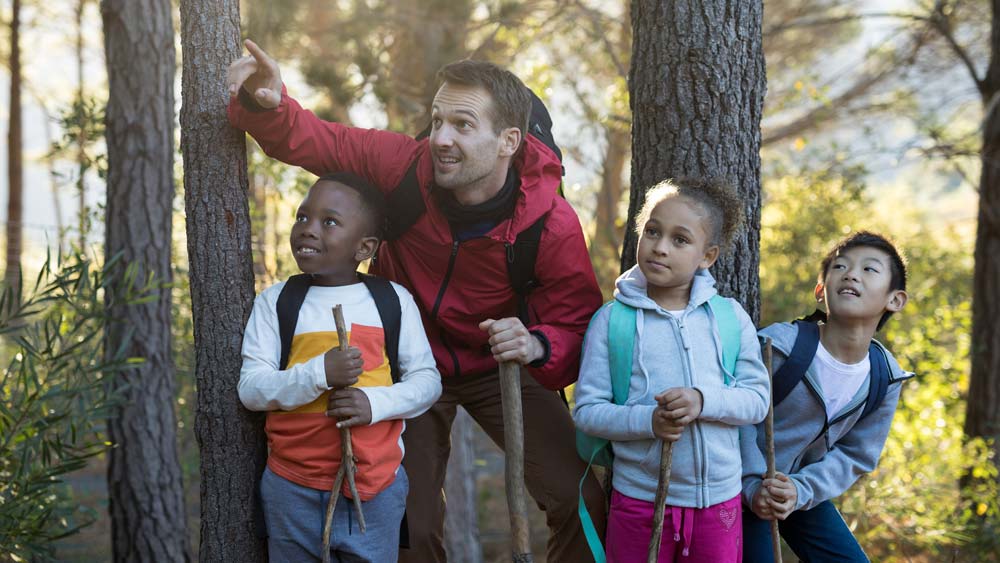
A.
pixel 144 474
pixel 697 85
pixel 231 439
pixel 15 158
pixel 983 414
pixel 461 528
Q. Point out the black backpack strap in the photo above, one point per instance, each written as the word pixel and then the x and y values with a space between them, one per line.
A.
pixel 521 258
pixel 390 311
pixel 404 205
pixel 795 366
pixel 878 382
pixel 289 302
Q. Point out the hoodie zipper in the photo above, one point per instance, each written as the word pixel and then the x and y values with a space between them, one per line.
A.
pixel 826 423
pixel 697 437
pixel 437 306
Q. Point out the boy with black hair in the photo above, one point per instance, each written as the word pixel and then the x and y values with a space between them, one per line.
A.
pixel 835 394
pixel 337 226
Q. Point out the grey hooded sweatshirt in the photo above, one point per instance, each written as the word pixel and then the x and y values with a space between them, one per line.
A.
pixel 673 351
pixel 822 456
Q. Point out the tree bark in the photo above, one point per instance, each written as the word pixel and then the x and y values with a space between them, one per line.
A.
pixel 231 439
pixel 461 526
pixel 982 418
pixel 697 86
pixel 15 158
pixel 144 474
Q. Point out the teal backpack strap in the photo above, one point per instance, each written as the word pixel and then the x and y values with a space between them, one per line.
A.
pixel 729 333
pixel 621 345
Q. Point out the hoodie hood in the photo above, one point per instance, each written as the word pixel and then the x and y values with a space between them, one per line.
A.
pixel 630 289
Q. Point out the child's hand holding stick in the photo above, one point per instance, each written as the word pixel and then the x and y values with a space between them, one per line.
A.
pixel 676 408
pixel 347 464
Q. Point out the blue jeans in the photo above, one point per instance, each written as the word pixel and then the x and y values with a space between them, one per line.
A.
pixel 294 517
pixel 817 535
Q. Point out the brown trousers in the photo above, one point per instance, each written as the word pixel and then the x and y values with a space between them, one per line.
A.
pixel 552 468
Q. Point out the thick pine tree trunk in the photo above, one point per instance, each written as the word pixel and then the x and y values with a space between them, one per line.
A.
pixel 144 475
pixel 231 439
pixel 15 159
pixel 983 410
pixel 697 86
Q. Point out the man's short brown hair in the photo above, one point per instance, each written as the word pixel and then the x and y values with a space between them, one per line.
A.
pixel 511 98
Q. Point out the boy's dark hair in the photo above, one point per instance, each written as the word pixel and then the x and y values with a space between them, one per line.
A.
pixel 372 200
pixel 715 195
pixel 511 98
pixel 897 264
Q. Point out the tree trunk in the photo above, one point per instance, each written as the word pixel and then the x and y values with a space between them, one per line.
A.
pixel 144 474
pixel 982 418
pixel 231 438
pixel 81 141
pixel 15 159
pixel 461 526
pixel 697 86
pixel 608 232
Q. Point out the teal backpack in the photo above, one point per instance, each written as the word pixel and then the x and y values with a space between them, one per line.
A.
pixel 621 345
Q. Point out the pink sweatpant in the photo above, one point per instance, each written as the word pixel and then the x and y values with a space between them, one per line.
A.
pixel 690 535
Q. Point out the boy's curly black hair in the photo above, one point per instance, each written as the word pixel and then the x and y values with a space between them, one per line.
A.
pixel 372 199
pixel 715 195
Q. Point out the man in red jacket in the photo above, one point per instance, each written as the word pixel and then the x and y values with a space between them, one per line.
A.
pixel 482 181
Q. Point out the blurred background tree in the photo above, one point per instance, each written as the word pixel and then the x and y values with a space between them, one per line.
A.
pixel 870 121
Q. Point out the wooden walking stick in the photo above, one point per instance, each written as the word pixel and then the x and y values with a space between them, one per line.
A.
pixel 662 484
pixel 513 438
pixel 348 467
pixel 769 438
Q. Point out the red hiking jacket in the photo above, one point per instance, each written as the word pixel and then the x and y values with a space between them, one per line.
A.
pixel 456 285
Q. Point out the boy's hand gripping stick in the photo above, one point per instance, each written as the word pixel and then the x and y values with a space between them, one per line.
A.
pixel 666 457
pixel 348 467
pixel 769 438
pixel 513 438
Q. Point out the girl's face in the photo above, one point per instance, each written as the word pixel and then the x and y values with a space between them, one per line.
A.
pixel 857 285
pixel 675 242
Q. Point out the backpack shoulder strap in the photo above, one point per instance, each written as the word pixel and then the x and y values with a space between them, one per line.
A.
pixel 794 368
pixel 390 311
pixel 289 302
pixel 729 332
pixel 878 382
pixel 621 346
pixel 521 257
pixel 405 204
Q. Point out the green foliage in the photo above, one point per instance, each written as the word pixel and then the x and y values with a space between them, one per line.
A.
pixel 912 506
pixel 54 397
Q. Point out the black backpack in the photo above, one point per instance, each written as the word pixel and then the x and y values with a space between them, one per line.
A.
pixel 405 205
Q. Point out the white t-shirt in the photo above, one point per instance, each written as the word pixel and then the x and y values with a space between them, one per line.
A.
pixel 838 381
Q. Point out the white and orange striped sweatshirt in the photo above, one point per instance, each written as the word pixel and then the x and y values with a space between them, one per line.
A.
pixel 304 443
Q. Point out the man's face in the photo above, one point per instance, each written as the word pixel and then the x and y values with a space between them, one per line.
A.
pixel 469 155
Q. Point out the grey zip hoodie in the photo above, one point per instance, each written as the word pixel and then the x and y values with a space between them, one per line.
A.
pixel 822 457
pixel 672 351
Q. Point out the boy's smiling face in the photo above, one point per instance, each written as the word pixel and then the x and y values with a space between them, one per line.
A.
pixel 332 234
pixel 857 285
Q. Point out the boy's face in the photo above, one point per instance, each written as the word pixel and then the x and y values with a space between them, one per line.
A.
pixel 857 285
pixel 468 154
pixel 674 244
pixel 330 235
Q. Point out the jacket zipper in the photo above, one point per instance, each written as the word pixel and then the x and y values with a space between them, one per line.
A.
pixel 697 438
pixel 437 305
pixel 826 423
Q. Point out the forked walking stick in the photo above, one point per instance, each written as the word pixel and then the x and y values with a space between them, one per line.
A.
pixel 513 438
pixel 348 467
pixel 769 438
pixel 662 484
